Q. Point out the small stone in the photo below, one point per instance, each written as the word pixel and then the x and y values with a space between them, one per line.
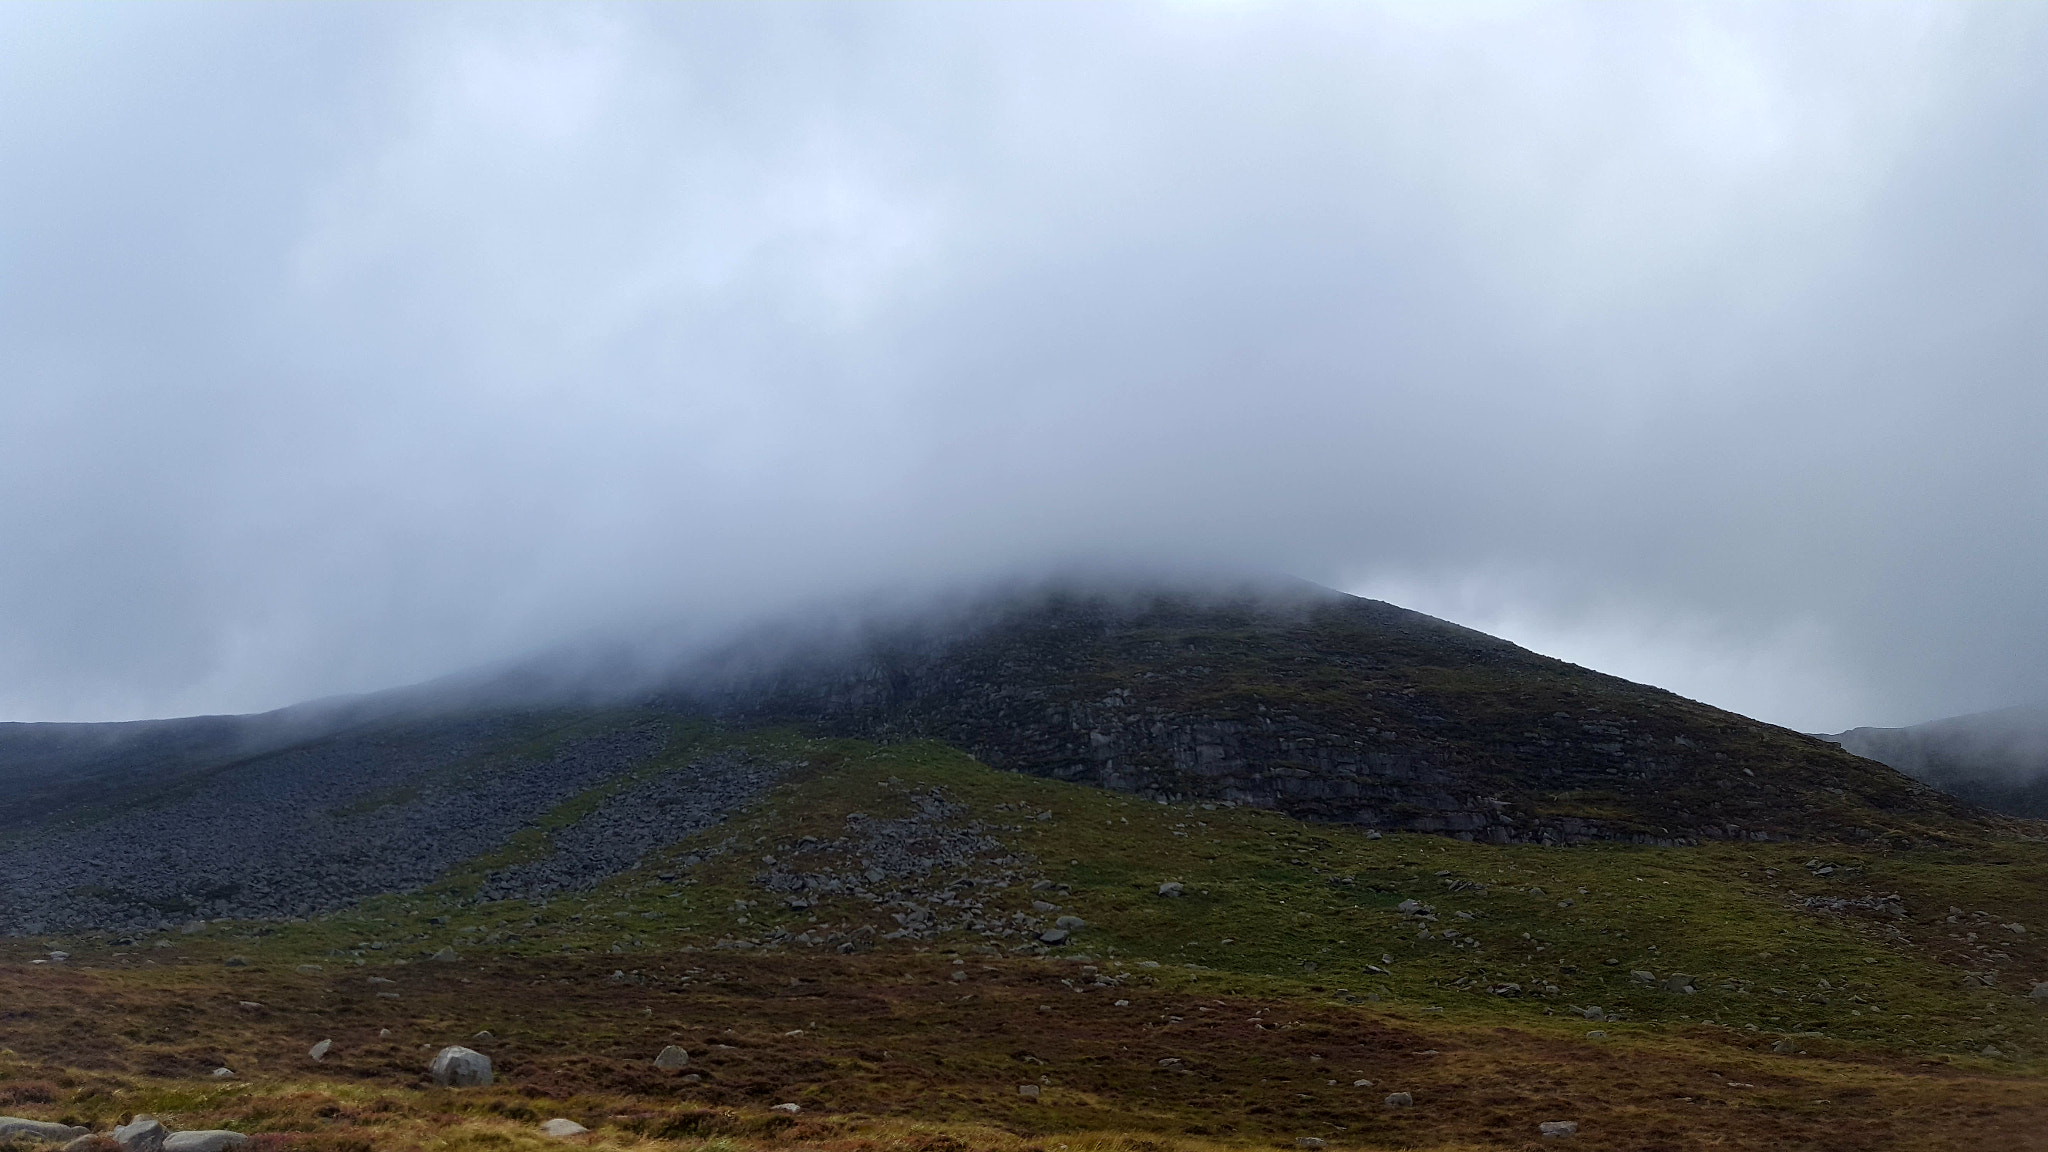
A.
pixel 1642 977
pixel 1596 1034
pixel 1029 1091
pixel 237 961
pixel 1678 982
pixel 142 1134
pixel 1309 1142
pixel 1171 888
pixel 59 957
pixel 1053 936
pixel 223 1073
pixel 1372 835
pixel 446 955
pixel 483 1037
pixel 383 1033
pixel 1558 1129
pixel 1361 1083
pixel 459 1067
pixel 672 1059
pixel 208 1140
pixel 1070 923
pixel 319 1051
pixel 791 1109
pixel 1399 1100
pixel 1991 1051
pixel 1785 1047
pixel 310 969
pixel 561 1128
pixel 2040 991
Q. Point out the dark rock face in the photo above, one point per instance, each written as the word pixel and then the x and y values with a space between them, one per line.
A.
pixel 1329 708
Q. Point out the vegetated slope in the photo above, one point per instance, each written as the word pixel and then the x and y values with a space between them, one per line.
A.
pixel 869 939
pixel 1328 707
pixel 1996 759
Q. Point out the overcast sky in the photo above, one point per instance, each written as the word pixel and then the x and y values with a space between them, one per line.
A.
pixel 342 347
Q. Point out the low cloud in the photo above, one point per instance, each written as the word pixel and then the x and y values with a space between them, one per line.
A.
pixel 345 347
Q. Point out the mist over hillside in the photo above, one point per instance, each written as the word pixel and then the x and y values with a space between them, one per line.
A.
pixel 1997 759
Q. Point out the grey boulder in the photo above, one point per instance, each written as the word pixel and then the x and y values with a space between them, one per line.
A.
pixel 206 1140
pixel 1558 1129
pixel 142 1134
pixel 459 1067
pixel 561 1128
pixel 16 1128
pixel 672 1059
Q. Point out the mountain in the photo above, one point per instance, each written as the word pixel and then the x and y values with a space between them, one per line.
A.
pixel 1324 707
pixel 1996 759
pixel 1161 866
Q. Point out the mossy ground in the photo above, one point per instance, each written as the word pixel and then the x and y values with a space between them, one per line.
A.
pixel 1283 973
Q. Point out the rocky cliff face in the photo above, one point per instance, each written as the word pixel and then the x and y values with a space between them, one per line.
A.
pixel 1332 708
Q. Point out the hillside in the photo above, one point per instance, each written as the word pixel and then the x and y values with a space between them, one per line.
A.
pixel 1324 707
pixel 1996 759
pixel 897 940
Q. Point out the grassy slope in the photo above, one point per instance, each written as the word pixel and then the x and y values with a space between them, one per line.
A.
pixel 1266 975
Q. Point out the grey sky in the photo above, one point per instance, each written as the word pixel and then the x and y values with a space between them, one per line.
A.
pixel 345 346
